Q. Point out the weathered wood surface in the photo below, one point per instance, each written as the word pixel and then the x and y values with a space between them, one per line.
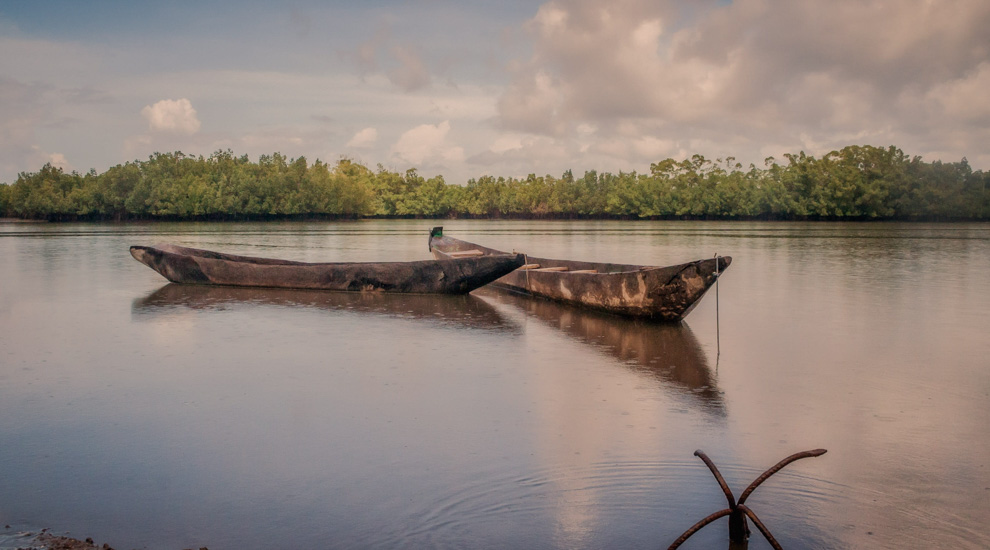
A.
pixel 441 276
pixel 648 292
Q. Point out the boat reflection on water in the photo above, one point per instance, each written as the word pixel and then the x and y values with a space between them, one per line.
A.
pixel 669 353
pixel 460 310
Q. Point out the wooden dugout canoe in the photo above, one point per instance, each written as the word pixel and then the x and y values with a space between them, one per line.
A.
pixel 441 276
pixel 647 292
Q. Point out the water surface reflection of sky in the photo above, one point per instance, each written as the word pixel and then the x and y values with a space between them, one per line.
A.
pixel 490 421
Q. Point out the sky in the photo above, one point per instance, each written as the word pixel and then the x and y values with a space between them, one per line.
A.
pixel 466 88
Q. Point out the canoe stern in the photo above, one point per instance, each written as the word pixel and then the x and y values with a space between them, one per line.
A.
pixel 175 268
pixel 462 276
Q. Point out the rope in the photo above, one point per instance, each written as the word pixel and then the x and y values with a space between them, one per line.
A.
pixel 718 343
pixel 526 259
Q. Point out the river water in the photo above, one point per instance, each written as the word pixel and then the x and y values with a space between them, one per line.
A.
pixel 150 415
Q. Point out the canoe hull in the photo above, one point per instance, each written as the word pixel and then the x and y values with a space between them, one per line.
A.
pixel 648 292
pixel 450 276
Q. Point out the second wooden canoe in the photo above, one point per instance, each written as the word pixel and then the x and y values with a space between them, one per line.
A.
pixel 648 292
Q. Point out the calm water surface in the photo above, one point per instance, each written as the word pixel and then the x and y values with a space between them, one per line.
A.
pixel 150 415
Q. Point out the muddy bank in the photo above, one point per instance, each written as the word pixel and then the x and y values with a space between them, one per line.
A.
pixel 11 539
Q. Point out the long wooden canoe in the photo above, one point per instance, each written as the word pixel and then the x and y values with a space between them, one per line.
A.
pixel 441 276
pixel 648 292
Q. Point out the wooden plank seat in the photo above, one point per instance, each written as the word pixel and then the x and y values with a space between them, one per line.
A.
pixel 530 266
pixel 561 268
pixel 466 253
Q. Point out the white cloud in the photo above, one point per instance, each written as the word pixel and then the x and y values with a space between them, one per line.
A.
pixel 172 115
pixel 427 145
pixel 531 104
pixel 515 155
pixel 507 142
pixel 550 18
pixel 364 139
pixel 58 160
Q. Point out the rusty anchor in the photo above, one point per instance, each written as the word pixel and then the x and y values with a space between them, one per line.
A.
pixel 738 511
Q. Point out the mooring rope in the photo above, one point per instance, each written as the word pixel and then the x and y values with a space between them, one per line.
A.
pixel 718 343
pixel 526 259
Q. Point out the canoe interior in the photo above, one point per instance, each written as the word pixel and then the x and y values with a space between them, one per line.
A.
pixel 448 245
pixel 210 254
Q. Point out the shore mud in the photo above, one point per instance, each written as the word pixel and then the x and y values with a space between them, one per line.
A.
pixel 12 539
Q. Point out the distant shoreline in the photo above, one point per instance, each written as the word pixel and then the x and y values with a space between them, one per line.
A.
pixel 18 220
pixel 274 219
pixel 857 183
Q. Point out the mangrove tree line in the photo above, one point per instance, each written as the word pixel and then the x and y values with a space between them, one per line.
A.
pixel 856 183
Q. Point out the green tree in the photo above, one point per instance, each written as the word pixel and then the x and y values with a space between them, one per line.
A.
pixel 431 198
pixel 485 196
pixel 4 200
pixel 84 200
pixel 115 186
pixel 855 182
pixel 389 189
pixel 355 188
pixel 44 194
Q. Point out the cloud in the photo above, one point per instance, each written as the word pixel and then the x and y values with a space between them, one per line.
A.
pixel 591 60
pixel 23 109
pixel 965 99
pixel 364 139
pixel 59 161
pixel 172 116
pixel 531 103
pixel 653 76
pixel 517 153
pixel 403 64
pixel 411 73
pixel 426 145
pixel 522 88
